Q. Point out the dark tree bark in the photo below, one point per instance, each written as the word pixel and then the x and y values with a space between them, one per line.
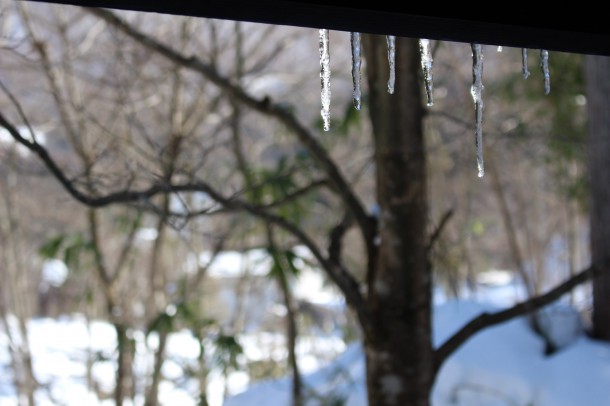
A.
pixel 597 70
pixel 398 345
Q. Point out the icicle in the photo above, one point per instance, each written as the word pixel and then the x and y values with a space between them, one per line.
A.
pixel 526 72
pixel 392 59
pixel 426 65
pixel 356 63
pixel 325 78
pixel 476 90
pixel 500 49
pixel 544 65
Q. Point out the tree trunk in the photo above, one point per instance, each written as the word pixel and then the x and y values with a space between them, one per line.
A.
pixel 124 373
pixel 16 276
pixel 152 397
pixel 597 70
pixel 398 343
pixel 291 335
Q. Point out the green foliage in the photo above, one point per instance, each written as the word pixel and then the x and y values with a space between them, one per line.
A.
pixel 72 246
pixel 477 227
pixel 351 118
pixel 274 185
pixel 568 128
pixel 164 322
pixel 283 263
pixel 50 249
pixel 184 313
pixel 559 117
pixel 227 351
pixel 266 369
pixel 125 222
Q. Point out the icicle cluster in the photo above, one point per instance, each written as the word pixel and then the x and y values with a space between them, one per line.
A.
pixel 526 72
pixel 544 66
pixel 426 63
pixel 426 66
pixel 325 78
pixel 356 64
pixel 392 60
pixel 477 95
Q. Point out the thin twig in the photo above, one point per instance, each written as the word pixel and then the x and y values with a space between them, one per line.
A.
pixel 439 229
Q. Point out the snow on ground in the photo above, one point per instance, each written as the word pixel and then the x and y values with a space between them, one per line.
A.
pixel 60 349
pixel 503 365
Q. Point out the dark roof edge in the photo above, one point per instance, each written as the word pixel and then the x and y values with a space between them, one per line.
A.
pixel 567 33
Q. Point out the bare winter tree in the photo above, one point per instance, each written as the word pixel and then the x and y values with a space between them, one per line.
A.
pixel 392 302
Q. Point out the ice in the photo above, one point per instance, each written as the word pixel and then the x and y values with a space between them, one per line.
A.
pixel 526 72
pixel 392 60
pixel 325 78
pixel 476 90
pixel 426 65
pixel 544 65
pixel 356 64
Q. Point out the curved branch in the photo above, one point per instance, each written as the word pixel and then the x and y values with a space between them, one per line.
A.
pixel 289 198
pixel 485 320
pixel 44 156
pixel 343 279
pixel 264 106
pixel 339 275
pixel 336 238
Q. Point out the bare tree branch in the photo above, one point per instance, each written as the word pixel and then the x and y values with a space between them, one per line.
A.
pixel 439 229
pixel 485 320
pixel 33 146
pixel 264 106
pixel 126 248
pixel 342 278
pixel 336 238
pixel 348 285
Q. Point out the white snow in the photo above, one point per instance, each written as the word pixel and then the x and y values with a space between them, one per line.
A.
pixel 60 349
pixel 233 264
pixel 54 272
pixel 503 365
pixel 7 139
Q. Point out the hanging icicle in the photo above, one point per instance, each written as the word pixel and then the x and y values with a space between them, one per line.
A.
pixel 392 60
pixel 526 72
pixel 325 78
pixel 356 64
pixel 544 66
pixel 426 66
pixel 477 95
